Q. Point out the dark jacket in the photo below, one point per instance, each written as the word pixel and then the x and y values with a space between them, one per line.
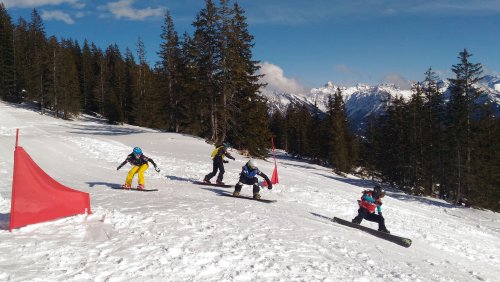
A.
pixel 135 160
pixel 221 152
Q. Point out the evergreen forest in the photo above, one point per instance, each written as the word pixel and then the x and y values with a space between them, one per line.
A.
pixel 207 84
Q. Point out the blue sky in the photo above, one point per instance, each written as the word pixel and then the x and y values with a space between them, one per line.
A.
pixel 304 44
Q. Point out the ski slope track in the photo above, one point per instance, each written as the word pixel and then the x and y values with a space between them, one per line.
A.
pixel 189 232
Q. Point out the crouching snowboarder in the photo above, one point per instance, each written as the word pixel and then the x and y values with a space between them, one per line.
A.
pixel 370 201
pixel 248 176
pixel 140 164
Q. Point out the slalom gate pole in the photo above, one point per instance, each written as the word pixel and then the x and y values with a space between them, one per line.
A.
pixel 17 136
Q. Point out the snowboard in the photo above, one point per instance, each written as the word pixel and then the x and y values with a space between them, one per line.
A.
pixel 405 242
pixel 250 198
pixel 135 189
pixel 213 184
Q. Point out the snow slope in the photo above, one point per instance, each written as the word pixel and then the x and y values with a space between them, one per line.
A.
pixel 188 232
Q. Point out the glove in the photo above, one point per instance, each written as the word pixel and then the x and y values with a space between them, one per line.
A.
pixel 270 186
pixel 157 169
pixel 225 162
pixel 380 214
pixel 118 168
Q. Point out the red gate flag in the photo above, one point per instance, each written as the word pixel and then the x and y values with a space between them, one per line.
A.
pixel 274 178
pixel 36 197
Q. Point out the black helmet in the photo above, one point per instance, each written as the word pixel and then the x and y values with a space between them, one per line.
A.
pixel 378 191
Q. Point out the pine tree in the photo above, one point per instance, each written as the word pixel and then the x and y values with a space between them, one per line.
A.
pixel 22 58
pixel 278 128
pixel 462 107
pixel 486 161
pixel 114 84
pixel 193 113
pixel 170 73
pixel 146 105
pixel 338 133
pixel 416 147
pixel 69 81
pixel 37 79
pixel 205 44
pixel 433 134
pixel 101 73
pixel 88 80
pixel 240 88
pixel 7 57
pixel 128 102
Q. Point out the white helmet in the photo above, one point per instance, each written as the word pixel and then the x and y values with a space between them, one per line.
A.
pixel 252 164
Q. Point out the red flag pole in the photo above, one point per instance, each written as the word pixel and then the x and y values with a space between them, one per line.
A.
pixel 274 154
pixel 17 136
pixel 274 178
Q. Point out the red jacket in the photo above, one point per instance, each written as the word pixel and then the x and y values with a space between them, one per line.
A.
pixel 369 202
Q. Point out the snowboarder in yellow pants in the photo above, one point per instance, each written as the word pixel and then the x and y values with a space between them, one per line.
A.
pixel 140 164
pixel 140 173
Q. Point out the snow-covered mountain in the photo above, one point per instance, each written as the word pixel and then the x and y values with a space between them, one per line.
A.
pixel 363 100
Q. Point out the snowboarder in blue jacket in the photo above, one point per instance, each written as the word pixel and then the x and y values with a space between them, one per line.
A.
pixel 248 176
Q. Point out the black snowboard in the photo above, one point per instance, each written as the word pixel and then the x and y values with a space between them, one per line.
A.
pixel 135 189
pixel 249 198
pixel 213 184
pixel 405 242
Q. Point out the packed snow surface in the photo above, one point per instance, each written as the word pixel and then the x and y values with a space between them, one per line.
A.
pixel 189 232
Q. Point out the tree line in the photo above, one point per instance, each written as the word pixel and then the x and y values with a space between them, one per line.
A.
pixel 204 84
pixel 430 144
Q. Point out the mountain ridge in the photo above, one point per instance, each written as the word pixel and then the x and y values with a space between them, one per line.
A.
pixel 363 100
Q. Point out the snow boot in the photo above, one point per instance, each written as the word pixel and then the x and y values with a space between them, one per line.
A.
pixel 126 186
pixel 256 196
pixel 384 230
pixel 236 194
pixel 356 220
pixel 219 182
pixel 206 180
pixel 140 187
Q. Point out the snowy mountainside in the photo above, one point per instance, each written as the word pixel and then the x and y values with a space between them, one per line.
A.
pixel 363 100
pixel 189 232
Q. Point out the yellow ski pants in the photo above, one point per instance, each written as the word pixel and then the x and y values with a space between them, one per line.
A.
pixel 140 171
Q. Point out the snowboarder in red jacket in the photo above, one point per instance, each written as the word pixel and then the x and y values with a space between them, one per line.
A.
pixel 370 201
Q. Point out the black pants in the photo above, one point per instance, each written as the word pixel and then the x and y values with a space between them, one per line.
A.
pixel 248 181
pixel 364 214
pixel 218 165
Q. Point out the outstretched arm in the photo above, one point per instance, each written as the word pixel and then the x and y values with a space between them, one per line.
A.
pixel 269 184
pixel 154 164
pixel 122 164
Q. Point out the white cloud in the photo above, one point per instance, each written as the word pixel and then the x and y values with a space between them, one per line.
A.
pixel 40 3
pixel 397 80
pixel 57 16
pixel 124 9
pixel 276 80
